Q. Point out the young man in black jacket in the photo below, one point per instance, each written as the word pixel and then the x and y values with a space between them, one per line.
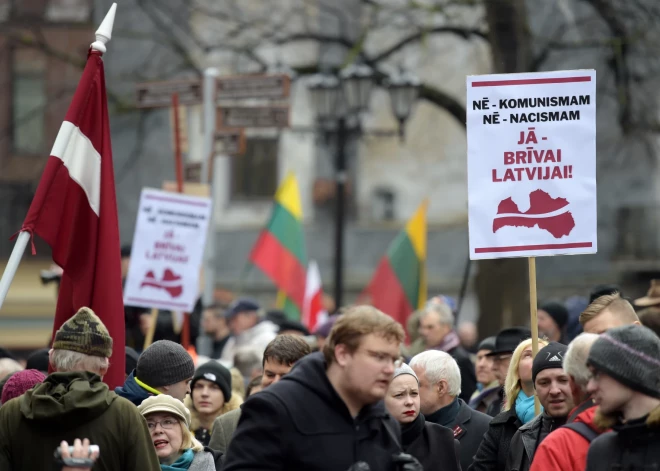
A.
pixel 327 413
pixel 626 386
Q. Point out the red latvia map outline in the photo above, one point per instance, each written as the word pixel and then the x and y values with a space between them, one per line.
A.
pixel 540 203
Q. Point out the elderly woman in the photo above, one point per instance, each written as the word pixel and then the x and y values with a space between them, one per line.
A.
pixel 211 396
pixel 433 445
pixel 168 421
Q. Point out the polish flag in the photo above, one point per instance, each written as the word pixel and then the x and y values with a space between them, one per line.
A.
pixel 313 312
pixel 75 211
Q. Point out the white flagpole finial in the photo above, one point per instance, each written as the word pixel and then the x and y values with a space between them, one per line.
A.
pixel 104 33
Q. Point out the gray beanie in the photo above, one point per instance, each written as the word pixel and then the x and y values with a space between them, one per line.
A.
pixel 631 355
pixel 405 370
pixel 164 363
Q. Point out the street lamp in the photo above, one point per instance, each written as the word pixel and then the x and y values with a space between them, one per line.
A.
pixel 338 97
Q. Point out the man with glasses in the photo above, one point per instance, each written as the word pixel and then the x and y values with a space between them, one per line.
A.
pixel 328 413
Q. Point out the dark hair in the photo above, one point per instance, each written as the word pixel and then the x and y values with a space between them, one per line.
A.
pixel 286 349
pixel 650 317
pixel 251 385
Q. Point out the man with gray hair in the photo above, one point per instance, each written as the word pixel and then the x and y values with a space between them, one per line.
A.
pixel 566 448
pixel 74 402
pixel 436 328
pixel 439 389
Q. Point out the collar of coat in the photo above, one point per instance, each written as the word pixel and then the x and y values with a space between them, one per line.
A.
pixel 605 422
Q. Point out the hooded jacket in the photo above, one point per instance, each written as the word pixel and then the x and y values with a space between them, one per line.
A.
pixel 74 405
pixel 565 449
pixel 527 439
pixel 632 446
pixel 257 337
pixel 132 391
pixel 302 423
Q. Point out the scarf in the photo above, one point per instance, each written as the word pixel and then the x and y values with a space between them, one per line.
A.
pixel 183 462
pixel 525 407
pixel 450 342
pixel 412 430
pixel 446 416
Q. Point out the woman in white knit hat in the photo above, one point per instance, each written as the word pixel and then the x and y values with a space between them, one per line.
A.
pixel 432 444
pixel 177 448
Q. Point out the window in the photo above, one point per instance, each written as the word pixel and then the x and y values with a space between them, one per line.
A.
pixel 254 174
pixel 28 100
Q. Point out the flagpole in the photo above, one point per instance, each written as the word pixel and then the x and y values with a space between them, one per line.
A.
pixel 103 35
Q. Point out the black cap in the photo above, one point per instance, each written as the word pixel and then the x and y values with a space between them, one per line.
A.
pixel 557 311
pixel 487 344
pixel 214 372
pixel 508 339
pixel 241 305
pixel 131 360
pixel 125 251
pixel 550 356
pixel 276 316
pixel 296 326
pixel 38 360
pixel 4 353
pixel 603 290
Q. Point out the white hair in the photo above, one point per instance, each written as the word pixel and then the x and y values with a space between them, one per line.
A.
pixel 67 360
pixel 575 358
pixel 442 310
pixel 8 366
pixel 437 366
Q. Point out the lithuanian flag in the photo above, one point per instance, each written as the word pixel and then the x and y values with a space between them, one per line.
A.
pixel 280 249
pixel 399 285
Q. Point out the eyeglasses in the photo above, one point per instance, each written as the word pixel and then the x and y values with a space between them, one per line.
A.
pixel 166 424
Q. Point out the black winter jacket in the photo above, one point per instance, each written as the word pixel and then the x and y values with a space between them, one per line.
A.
pixel 634 446
pixel 431 444
pixel 302 423
pixel 494 449
pixel 527 439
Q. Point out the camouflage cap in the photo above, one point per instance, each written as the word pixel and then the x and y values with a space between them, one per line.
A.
pixel 84 333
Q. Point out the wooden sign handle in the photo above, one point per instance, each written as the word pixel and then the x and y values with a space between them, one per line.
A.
pixel 534 320
pixel 149 338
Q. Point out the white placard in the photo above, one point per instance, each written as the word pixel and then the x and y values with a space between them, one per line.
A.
pixel 532 164
pixel 167 251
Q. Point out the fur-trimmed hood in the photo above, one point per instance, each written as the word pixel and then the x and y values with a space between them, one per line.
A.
pixel 605 422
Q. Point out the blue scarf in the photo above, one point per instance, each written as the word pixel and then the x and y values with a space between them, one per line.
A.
pixel 525 407
pixel 183 462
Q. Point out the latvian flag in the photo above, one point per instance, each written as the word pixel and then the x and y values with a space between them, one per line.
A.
pixel 75 211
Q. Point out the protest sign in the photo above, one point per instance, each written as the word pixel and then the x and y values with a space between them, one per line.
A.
pixel 168 245
pixel 532 164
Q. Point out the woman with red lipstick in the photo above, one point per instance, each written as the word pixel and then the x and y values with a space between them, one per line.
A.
pixel 432 444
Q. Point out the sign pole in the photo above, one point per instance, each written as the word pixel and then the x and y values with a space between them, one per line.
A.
pixel 152 329
pixel 534 320
pixel 178 163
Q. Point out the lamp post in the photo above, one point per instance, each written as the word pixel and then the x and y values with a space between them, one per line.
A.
pixel 337 98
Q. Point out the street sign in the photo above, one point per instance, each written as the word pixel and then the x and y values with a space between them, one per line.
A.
pixel 253 117
pixel 229 141
pixel 254 86
pixel 159 94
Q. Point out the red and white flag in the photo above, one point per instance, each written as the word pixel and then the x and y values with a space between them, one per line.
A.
pixel 75 211
pixel 313 312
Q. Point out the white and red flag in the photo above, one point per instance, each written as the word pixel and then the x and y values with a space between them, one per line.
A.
pixel 313 312
pixel 75 211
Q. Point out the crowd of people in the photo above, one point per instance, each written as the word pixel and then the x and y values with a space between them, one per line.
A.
pixel 264 393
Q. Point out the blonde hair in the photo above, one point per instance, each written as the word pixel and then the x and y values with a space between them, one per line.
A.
pixel 512 383
pixel 189 440
pixel 230 405
pixel 618 306
pixel 237 382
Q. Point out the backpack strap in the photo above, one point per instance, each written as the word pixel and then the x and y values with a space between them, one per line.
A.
pixel 583 429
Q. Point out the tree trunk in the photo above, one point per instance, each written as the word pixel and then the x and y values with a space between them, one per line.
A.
pixel 502 285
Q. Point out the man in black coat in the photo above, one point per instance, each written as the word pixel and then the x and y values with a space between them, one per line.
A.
pixel 327 413
pixel 436 327
pixel 439 388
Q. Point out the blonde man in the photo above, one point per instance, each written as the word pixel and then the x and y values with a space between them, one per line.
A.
pixel 607 312
pixel 327 413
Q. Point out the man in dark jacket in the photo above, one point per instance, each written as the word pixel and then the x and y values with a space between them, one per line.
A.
pixel 327 413
pixel 75 403
pixel 436 327
pixel 626 386
pixel 165 367
pixel 552 387
pixel 488 386
pixel 439 387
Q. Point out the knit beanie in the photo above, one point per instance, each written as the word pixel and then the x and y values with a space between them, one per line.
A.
pixel 20 382
pixel 84 333
pixel 405 370
pixel 631 355
pixel 164 363
pixel 165 403
pixel 557 311
pixel 550 356
pixel 216 373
